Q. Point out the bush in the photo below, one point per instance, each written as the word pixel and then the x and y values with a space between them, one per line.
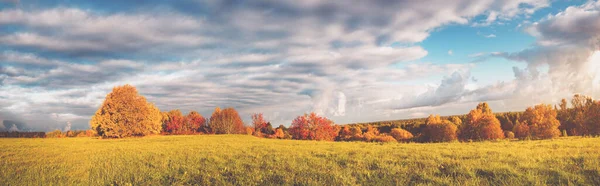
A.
pixel 125 113
pixel 401 134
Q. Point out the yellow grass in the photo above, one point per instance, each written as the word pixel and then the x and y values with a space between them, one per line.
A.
pixel 246 160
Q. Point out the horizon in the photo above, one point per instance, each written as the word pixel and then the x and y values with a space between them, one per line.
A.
pixel 350 61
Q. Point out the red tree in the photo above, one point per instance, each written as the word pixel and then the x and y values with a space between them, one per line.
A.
pixel 313 127
pixel 195 122
pixel 174 123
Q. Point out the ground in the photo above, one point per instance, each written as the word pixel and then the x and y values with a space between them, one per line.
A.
pixel 246 160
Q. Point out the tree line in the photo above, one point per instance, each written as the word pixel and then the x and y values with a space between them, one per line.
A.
pixel 125 113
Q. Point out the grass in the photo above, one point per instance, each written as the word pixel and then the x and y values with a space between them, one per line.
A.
pixel 246 160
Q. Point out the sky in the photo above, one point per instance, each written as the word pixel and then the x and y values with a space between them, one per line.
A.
pixel 351 61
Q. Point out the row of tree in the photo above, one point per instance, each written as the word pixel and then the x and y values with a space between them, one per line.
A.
pixel 125 113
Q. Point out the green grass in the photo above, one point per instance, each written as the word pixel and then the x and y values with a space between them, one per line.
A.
pixel 246 160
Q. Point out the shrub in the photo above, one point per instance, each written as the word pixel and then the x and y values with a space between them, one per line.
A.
pixel 125 113
pixel 401 134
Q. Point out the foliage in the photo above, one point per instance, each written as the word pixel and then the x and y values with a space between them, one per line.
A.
pixel 195 122
pixel 521 130
pixel 542 121
pixel 226 121
pixel 174 122
pixel 481 124
pixel 350 133
pixel 126 113
pixel 55 134
pixel 312 127
pixel 401 135
pixel 438 130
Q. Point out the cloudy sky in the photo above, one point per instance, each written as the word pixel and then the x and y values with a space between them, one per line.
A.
pixel 352 61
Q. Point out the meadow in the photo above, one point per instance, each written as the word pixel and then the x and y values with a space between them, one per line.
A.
pixel 247 160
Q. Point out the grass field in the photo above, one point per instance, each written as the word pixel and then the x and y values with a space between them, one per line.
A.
pixel 246 160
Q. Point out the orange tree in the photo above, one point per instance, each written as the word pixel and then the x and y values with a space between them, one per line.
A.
pixel 125 113
pixel 542 122
pixel 313 127
pixel 481 124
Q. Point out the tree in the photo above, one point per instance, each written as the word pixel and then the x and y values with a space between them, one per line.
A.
pixel 542 122
pixel 521 130
pixel 125 113
pixel 371 133
pixel 226 121
pixel 481 124
pixel 279 134
pixel 175 122
pixel 439 130
pixel 258 122
pixel 401 134
pixel 195 122
pixel 350 133
pixel 592 121
pixel 313 127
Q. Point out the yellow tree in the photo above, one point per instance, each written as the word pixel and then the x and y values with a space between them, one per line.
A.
pixel 481 124
pixel 126 113
pixel 542 122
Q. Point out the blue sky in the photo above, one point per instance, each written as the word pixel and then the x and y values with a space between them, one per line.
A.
pixel 352 61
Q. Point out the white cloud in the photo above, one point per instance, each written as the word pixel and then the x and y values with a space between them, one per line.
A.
pixel 450 52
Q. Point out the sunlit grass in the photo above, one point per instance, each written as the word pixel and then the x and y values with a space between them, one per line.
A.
pixel 246 160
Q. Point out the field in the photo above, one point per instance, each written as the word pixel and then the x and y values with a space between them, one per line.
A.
pixel 246 160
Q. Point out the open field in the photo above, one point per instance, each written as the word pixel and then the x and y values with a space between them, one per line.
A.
pixel 246 160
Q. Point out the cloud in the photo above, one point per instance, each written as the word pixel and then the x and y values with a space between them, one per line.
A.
pixel 346 59
pixel 450 52
pixel 562 63
pixel 490 36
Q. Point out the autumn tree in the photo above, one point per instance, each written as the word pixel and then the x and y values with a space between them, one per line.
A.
pixel 521 130
pixel 126 113
pixel 174 123
pixel 370 133
pixel 258 122
pixel 401 134
pixel 313 127
pixel 195 122
pixel 542 122
pixel 592 121
pixel 226 121
pixel 438 130
pixel 481 124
